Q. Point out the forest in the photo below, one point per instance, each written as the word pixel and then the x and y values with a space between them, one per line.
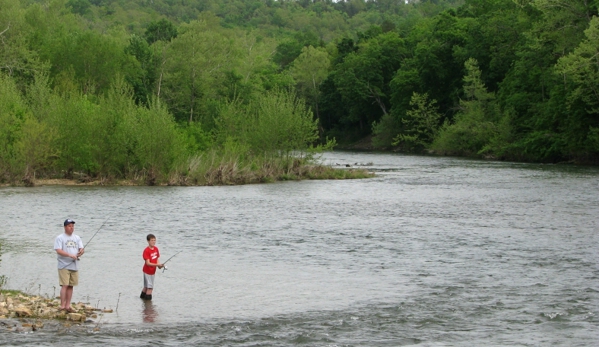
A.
pixel 203 91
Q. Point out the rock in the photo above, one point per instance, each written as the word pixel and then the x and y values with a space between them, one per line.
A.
pixel 22 311
pixel 74 316
pixel 22 307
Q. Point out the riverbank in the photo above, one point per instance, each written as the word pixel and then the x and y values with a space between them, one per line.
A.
pixel 224 174
pixel 365 145
pixel 24 313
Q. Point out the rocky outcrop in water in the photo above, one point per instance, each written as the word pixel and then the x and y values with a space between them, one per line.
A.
pixel 20 312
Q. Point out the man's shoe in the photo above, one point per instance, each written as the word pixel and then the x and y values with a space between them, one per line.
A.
pixel 142 295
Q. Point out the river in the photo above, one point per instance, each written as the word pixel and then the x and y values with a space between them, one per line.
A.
pixel 433 251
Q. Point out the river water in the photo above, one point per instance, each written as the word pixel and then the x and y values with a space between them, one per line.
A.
pixel 433 251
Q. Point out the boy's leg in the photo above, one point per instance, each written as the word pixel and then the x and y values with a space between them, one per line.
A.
pixel 148 286
pixel 145 289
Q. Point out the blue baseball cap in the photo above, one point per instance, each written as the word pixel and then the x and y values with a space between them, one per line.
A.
pixel 68 221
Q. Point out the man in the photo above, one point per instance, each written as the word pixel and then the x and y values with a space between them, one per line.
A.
pixel 69 248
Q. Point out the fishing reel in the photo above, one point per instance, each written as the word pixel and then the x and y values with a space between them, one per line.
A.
pixel 164 268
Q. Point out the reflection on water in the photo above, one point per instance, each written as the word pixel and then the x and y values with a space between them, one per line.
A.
pixel 435 251
pixel 149 313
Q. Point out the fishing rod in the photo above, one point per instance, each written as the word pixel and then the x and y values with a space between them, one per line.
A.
pixel 164 267
pixel 94 235
pixel 100 228
pixel 97 231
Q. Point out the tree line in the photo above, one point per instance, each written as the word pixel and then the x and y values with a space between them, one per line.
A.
pixel 152 89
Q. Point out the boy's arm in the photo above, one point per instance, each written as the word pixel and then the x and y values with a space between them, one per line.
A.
pixel 157 264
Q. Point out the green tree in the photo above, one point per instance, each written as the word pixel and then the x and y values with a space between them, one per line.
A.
pixel 309 71
pixel 475 123
pixel 195 67
pixel 275 123
pixel 34 148
pixel 288 50
pixel 143 82
pixel 433 65
pixel 81 7
pixel 17 59
pixel 93 59
pixel 162 30
pixel 363 78
pixel 13 110
pixel 580 72
pixel 420 124
pixel 159 145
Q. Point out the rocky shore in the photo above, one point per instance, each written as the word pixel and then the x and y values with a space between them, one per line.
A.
pixel 22 313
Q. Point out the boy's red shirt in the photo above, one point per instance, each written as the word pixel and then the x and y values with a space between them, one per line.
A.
pixel 153 255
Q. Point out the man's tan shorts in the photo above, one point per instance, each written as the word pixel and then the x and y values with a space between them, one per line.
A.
pixel 68 277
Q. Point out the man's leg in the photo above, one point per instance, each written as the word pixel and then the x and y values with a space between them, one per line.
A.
pixel 69 295
pixel 63 297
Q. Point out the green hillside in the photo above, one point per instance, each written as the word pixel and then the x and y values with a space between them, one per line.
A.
pixel 129 88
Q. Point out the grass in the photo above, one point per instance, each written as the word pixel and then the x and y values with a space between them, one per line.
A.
pixel 10 292
pixel 216 168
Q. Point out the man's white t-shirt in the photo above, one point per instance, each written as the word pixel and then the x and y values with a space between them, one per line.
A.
pixel 70 244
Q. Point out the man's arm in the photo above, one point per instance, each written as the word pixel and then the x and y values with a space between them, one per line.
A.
pixel 65 254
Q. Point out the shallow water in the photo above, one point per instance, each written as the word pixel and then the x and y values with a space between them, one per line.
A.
pixel 432 251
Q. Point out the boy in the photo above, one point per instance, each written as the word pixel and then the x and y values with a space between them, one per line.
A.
pixel 150 255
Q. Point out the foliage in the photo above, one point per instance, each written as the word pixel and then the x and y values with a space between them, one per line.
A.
pixel 195 63
pixel 580 71
pixel 420 124
pixel 113 89
pixel 13 112
pixel 275 123
pixel 475 123
pixel 309 71
pixel 162 30
pixel 361 81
